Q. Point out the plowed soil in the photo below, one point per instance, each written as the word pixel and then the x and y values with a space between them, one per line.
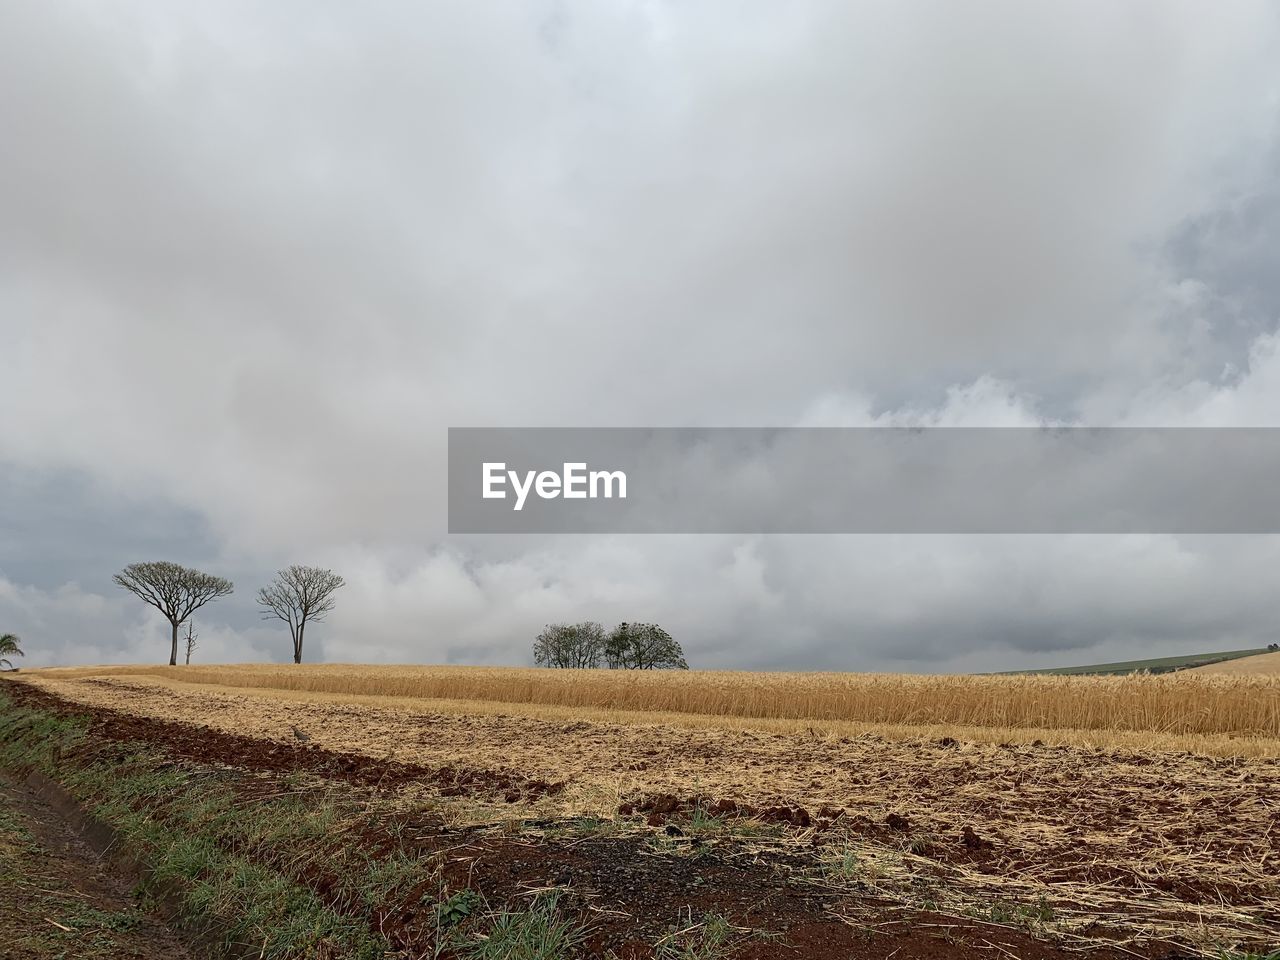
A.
pixel 851 848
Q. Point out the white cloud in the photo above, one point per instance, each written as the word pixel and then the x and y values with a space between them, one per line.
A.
pixel 69 624
pixel 256 260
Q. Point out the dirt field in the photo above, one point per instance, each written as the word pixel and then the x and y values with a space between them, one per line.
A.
pixel 58 899
pixel 1158 853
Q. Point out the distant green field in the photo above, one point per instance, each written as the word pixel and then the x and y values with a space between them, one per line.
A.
pixel 1158 665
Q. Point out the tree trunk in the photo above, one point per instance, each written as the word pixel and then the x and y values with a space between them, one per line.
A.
pixel 173 653
pixel 297 643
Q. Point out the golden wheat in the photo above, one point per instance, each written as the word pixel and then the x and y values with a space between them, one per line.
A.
pixel 1264 664
pixel 1180 703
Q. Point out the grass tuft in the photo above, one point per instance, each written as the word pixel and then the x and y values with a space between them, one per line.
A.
pixel 712 937
pixel 541 932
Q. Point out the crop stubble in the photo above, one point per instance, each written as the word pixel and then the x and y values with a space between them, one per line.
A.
pixel 1155 837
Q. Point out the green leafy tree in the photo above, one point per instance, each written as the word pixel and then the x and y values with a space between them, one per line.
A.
pixel 299 595
pixel 569 645
pixel 643 646
pixel 9 648
pixel 174 590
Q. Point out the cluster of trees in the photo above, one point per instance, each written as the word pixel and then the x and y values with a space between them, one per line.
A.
pixel 629 646
pixel 297 596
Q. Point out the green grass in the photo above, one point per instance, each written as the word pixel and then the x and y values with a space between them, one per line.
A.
pixel 37 902
pixel 712 937
pixel 540 932
pixel 1014 914
pixel 13 830
pixel 246 856
pixel 227 859
pixel 1156 665
pixel 843 865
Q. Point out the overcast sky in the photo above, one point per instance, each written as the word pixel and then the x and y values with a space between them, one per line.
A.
pixel 256 258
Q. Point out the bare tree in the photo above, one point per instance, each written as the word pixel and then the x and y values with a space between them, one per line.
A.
pixel 298 596
pixel 570 645
pixel 174 590
pixel 191 640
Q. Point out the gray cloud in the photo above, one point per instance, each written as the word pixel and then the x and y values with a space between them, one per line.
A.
pixel 253 261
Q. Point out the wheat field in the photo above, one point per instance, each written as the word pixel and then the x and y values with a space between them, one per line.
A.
pixel 1174 704
pixel 1264 664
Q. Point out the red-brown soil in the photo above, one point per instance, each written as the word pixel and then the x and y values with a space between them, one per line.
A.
pixel 659 866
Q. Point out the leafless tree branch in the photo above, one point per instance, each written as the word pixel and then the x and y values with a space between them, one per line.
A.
pixel 299 595
pixel 174 590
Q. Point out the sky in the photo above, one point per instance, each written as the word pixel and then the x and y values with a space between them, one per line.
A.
pixel 256 259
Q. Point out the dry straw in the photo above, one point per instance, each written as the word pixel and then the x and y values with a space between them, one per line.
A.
pixel 1179 703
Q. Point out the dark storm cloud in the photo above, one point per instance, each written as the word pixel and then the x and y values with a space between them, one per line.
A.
pixel 59 525
pixel 1229 253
